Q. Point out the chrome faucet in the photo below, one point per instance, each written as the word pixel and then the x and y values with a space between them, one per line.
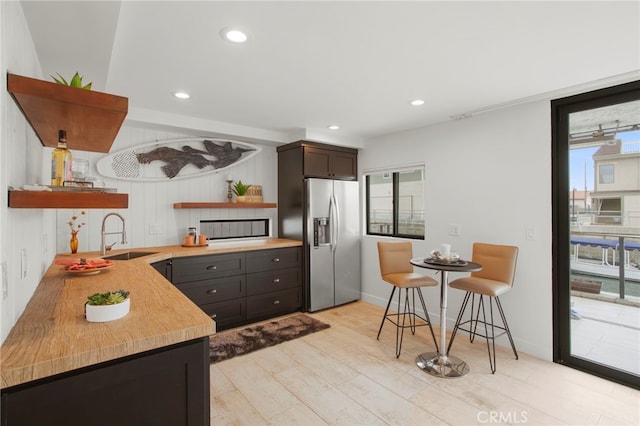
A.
pixel 103 246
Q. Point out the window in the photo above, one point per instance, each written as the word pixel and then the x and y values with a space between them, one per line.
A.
pixel 395 203
pixel 225 229
pixel 605 173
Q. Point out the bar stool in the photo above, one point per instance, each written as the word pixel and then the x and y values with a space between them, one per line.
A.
pixel 496 277
pixel 396 270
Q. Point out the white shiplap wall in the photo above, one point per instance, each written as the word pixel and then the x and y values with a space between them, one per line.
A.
pixel 22 241
pixel 151 203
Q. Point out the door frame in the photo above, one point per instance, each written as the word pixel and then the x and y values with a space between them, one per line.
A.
pixel 560 110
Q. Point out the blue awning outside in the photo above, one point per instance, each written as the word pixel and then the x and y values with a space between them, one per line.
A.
pixel 593 242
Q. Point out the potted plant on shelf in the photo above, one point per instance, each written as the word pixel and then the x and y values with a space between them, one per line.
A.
pixel 109 306
pixel 240 189
pixel 76 81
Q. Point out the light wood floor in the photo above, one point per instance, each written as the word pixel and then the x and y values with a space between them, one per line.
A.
pixel 344 376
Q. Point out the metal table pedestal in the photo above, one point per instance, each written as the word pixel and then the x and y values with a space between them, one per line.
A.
pixel 440 364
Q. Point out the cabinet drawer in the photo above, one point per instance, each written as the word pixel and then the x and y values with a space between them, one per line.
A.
pixel 197 268
pixel 268 260
pixel 214 290
pixel 274 303
pixel 263 282
pixel 227 314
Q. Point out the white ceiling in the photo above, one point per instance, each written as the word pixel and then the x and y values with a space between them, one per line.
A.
pixel 311 64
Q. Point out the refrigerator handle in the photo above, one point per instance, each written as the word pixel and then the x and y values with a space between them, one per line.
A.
pixel 331 223
pixel 335 212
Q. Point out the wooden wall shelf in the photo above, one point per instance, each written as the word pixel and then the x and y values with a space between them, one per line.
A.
pixel 204 205
pixel 67 200
pixel 92 119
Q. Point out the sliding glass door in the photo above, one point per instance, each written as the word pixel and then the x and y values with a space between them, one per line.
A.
pixel 596 226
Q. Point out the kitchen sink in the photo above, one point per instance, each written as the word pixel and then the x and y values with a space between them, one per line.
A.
pixel 129 255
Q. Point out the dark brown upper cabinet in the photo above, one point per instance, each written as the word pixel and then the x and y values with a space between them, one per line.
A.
pixel 325 161
pixel 92 119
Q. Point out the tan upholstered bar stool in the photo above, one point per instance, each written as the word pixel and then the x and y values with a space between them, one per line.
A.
pixel 496 277
pixel 397 271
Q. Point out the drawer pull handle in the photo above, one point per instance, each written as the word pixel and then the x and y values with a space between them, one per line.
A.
pixel 213 316
pixel 276 259
pixel 276 280
pixel 212 267
pixel 213 291
pixel 276 302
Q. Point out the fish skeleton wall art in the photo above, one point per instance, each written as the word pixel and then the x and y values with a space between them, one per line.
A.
pixel 175 159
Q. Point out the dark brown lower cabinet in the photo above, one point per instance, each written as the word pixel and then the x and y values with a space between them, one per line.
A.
pixel 239 288
pixel 274 303
pixel 168 386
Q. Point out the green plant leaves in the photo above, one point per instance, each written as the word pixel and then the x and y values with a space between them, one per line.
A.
pixel 108 298
pixel 76 81
pixel 240 188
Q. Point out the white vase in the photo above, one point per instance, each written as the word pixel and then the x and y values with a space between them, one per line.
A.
pixel 104 313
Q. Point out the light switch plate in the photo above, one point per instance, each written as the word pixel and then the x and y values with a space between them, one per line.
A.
pixel 23 263
pixel 454 229
pixel 5 281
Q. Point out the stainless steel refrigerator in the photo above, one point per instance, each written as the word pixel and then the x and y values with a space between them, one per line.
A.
pixel 333 242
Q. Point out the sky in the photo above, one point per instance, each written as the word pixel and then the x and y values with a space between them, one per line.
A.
pixel 579 157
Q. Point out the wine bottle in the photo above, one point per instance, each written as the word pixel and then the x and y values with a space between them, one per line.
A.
pixel 61 161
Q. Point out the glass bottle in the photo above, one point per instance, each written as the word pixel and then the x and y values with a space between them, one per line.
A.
pixel 193 235
pixel 61 161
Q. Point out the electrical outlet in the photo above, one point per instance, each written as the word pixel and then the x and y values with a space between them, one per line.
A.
pixel 23 263
pixel 454 229
pixel 531 233
pixel 5 282
pixel 154 229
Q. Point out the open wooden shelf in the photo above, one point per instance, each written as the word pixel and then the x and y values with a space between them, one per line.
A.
pixel 70 200
pixel 92 119
pixel 204 205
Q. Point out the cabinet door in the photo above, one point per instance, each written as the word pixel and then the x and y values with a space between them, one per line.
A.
pixel 164 267
pixel 198 268
pixel 169 386
pixel 317 162
pixel 214 290
pixel 344 166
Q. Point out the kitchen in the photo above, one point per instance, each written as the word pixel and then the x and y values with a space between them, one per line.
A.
pixel 459 143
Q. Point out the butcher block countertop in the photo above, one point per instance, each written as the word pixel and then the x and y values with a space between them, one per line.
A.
pixel 52 335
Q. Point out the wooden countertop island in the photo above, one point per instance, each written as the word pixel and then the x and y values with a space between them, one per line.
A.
pixel 53 337
pixel 150 367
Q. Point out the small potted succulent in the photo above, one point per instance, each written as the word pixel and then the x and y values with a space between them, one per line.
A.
pixel 240 189
pixel 76 81
pixel 109 306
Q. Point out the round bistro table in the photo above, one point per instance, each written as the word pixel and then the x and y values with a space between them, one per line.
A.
pixel 441 364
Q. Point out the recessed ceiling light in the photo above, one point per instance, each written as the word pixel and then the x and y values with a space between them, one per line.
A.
pixel 333 127
pixel 417 102
pixel 182 95
pixel 233 34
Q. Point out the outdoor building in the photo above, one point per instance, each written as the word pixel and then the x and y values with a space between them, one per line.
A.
pixel 616 198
